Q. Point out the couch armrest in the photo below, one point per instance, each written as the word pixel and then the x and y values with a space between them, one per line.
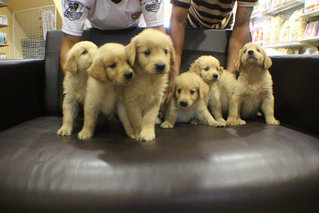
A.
pixel 21 91
pixel 296 86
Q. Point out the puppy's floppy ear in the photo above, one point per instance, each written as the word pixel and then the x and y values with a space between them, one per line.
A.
pixel 131 51
pixel 194 67
pixel 221 69
pixel 267 62
pixel 96 70
pixel 70 65
pixel 203 89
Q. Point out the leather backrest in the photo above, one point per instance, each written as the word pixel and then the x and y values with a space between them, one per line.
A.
pixel 197 42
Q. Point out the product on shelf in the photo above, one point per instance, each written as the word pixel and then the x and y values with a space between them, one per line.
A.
pixel 311 30
pixel 276 24
pixel 284 32
pixel 267 31
pixel 297 25
pixel 311 51
pixel 311 5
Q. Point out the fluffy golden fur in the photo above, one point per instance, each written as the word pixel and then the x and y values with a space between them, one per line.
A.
pixel 188 102
pixel 209 69
pixel 253 91
pixel 78 60
pixel 108 74
pixel 151 54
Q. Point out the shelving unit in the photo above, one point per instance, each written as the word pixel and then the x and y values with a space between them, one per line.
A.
pixel 283 8
pixel 3 25
pixel 287 9
pixel 3 4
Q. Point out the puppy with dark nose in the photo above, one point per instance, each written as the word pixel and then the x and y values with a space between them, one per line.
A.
pixel 253 92
pixel 188 102
pixel 209 69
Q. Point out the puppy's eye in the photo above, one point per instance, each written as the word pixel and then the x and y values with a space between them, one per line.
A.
pixel 206 68
pixel 245 51
pixel 84 52
pixel 192 91
pixel 147 52
pixel 258 50
pixel 179 91
pixel 112 65
pixel 165 51
pixel 217 68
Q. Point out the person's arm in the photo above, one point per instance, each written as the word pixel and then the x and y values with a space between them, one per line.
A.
pixel 177 33
pixel 239 36
pixel 67 42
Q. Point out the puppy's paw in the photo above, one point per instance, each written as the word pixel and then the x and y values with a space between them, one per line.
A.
pixel 158 121
pixel 195 122
pixel 64 131
pixel 167 125
pixel 147 135
pixel 213 123
pixel 273 121
pixel 221 122
pixel 235 122
pixel 85 134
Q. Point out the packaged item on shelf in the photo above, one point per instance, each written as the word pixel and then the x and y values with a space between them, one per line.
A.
pixel 257 34
pixel 311 51
pixel 311 5
pixel 268 4
pixel 267 31
pixel 284 32
pixel 1 38
pixel 297 25
pixel 5 40
pixel 276 25
pixel 311 30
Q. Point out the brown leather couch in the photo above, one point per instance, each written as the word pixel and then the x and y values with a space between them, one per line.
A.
pixel 251 168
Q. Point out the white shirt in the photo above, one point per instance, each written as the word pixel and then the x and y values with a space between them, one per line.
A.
pixel 109 15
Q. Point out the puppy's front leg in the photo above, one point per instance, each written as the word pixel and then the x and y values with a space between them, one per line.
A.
pixel 70 110
pixel 91 112
pixel 134 114
pixel 148 122
pixel 170 116
pixel 267 107
pixel 121 111
pixel 234 109
pixel 205 117
pixel 216 108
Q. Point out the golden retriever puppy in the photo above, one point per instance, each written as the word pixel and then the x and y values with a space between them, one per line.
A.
pixel 151 53
pixel 209 69
pixel 253 91
pixel 78 60
pixel 108 74
pixel 190 93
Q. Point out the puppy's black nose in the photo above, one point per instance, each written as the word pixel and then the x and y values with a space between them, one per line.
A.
pixel 160 66
pixel 215 76
pixel 183 103
pixel 250 52
pixel 128 75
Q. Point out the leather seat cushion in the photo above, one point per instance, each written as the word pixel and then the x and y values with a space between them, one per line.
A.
pixel 256 167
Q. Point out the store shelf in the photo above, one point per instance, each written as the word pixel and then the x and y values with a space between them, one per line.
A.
pixel 296 44
pixel 3 25
pixel 283 8
pixel 311 14
pixel 4 45
pixel 285 45
pixel 3 4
